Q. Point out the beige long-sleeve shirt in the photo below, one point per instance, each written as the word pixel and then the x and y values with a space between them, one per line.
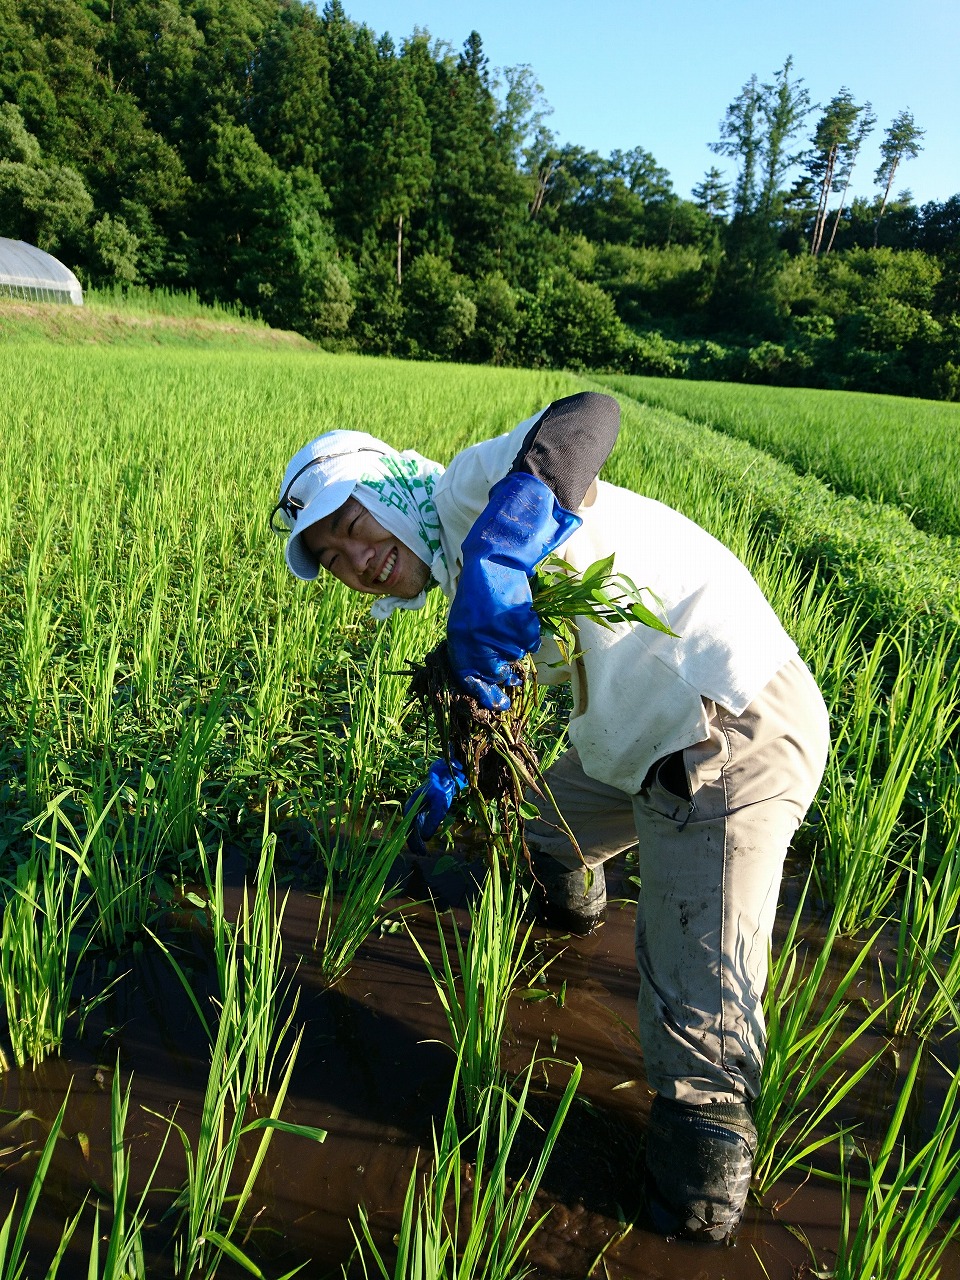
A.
pixel 638 694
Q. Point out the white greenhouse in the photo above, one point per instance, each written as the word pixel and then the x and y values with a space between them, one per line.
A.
pixel 29 273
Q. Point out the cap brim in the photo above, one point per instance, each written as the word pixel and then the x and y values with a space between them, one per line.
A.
pixel 299 560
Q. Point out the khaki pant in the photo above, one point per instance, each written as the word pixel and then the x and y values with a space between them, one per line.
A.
pixel 710 867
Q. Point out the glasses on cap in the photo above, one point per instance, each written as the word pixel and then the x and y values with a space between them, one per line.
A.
pixel 283 517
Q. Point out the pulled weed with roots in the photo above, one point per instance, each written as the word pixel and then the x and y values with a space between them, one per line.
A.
pixel 493 746
pixel 501 766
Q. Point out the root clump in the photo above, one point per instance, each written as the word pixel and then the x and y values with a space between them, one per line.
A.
pixel 493 746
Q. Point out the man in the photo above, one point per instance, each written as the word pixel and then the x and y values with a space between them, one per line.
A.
pixel 706 746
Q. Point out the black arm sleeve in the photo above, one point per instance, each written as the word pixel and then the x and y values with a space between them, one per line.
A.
pixel 569 443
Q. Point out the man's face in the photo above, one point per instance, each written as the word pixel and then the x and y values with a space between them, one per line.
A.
pixel 355 547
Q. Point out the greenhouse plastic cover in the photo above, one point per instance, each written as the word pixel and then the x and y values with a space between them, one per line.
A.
pixel 28 272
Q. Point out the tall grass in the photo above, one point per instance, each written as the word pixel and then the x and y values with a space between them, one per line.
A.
pixel 470 1221
pixel 907 1198
pixel 477 977
pixel 183 303
pixel 40 946
pixel 805 1077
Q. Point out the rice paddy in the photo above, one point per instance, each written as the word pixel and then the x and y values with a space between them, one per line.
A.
pixel 231 1025
pixel 885 448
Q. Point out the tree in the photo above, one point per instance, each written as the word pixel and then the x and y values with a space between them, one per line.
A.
pixel 760 131
pixel 571 323
pixel 291 112
pixel 712 195
pixel 42 202
pixel 349 158
pixel 835 145
pixel 116 250
pixel 784 105
pixel 520 127
pixel 439 315
pixel 864 126
pixel 625 199
pixel 902 141
pixel 494 337
pixel 405 168
pixel 741 140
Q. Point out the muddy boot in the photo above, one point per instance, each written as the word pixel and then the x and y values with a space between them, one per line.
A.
pixel 699 1164
pixel 572 900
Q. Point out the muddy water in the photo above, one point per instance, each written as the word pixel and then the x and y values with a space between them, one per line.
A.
pixel 371 1073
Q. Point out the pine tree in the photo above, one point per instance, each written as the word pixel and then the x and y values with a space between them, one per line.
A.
pixel 784 106
pixel 831 142
pixel 902 141
pixel 864 127
pixel 712 195
pixel 291 112
pixel 740 138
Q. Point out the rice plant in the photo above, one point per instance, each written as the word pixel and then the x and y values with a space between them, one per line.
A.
pixel 878 745
pixel 253 950
pixel 152 633
pixel 209 1211
pixel 804 1078
pixel 908 1218
pixel 39 954
pixel 39 617
pixel 727 485
pixel 249 1032
pixel 256 1010
pixel 923 986
pixel 118 853
pixel 470 1221
pixel 475 981
pixel 359 880
pixel 14 1230
pixel 887 448
pixel 360 853
pixel 185 773
pixel 123 1255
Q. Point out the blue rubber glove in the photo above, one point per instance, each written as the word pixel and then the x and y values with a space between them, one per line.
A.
pixel 432 802
pixel 492 622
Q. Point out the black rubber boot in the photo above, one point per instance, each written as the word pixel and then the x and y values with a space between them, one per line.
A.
pixel 572 900
pixel 699 1164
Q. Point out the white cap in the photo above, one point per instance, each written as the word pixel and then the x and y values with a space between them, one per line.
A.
pixel 321 477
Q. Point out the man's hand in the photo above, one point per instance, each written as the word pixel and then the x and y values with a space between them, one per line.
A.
pixel 492 622
pixel 431 802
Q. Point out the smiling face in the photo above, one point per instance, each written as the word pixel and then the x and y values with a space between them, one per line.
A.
pixel 352 545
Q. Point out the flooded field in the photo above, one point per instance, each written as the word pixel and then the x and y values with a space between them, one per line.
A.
pixel 375 1072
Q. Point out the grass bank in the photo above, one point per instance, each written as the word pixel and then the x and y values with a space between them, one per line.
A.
pixel 140 319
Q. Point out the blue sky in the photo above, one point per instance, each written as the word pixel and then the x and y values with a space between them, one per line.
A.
pixel 620 74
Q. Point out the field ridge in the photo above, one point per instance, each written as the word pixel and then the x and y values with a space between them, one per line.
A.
pixel 120 325
pixel 901 572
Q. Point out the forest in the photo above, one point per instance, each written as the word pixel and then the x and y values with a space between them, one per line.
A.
pixel 409 199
